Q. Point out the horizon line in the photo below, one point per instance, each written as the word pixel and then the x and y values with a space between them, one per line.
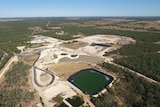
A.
pixel 79 17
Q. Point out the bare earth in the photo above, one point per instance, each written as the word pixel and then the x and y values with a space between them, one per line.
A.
pixel 29 58
pixel 44 77
pixel 66 69
pixel 75 45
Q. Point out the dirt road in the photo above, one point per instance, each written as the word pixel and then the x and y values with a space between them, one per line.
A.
pixel 7 65
pixel 139 74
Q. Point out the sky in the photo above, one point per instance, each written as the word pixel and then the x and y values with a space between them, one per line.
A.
pixel 76 8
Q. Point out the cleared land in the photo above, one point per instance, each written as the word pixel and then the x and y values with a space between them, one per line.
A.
pixel 29 59
pixel 74 44
pixel 65 69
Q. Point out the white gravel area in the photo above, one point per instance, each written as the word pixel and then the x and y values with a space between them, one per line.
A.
pixel 102 39
pixel 59 88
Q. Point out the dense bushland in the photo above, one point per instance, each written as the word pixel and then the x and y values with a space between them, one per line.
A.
pixel 134 90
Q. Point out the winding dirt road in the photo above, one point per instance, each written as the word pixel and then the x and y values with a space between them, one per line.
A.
pixel 35 74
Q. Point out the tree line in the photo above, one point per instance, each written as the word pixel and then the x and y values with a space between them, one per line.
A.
pixel 134 90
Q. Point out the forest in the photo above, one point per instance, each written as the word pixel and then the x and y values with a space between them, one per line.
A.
pixel 148 64
pixel 133 91
pixel 141 57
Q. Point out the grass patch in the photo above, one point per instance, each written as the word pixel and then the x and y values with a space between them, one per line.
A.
pixel 58 99
pixel 75 101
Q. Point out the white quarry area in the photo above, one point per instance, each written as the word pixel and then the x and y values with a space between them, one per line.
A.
pixel 21 48
pixel 103 39
pixel 59 88
pixel 53 55
pixel 54 51
pixel 106 39
pixel 95 50
pixel 43 39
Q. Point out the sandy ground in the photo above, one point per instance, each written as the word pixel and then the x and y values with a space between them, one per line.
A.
pixel 65 69
pixel 83 58
pixel 74 44
pixel 59 88
pixel 41 78
pixel 29 58
pixel 45 77
pixel 101 39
